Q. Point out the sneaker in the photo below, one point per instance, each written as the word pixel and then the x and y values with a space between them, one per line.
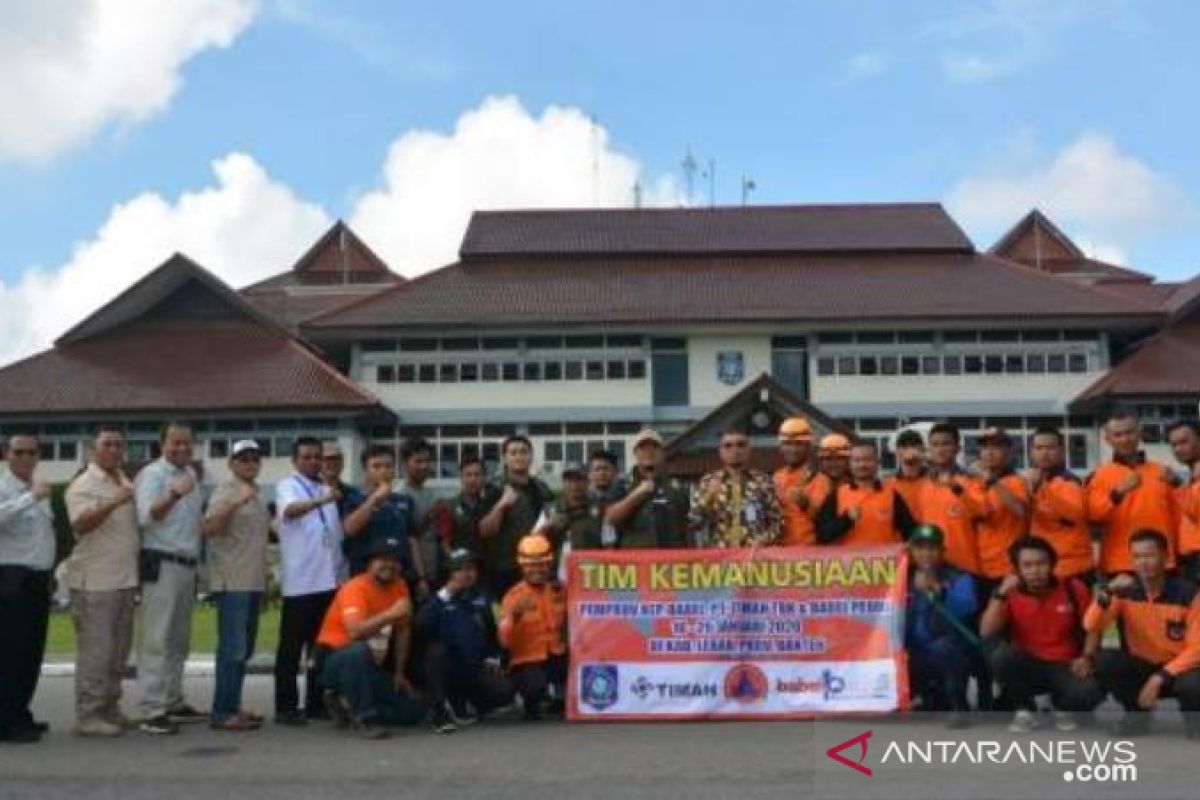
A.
pixel 338 710
pixel 294 718
pixel 158 726
pixel 120 720
pixel 441 721
pixel 94 726
pixel 1132 724
pixel 234 722
pixel 462 713
pixel 1023 722
pixel 185 714
pixel 1065 722
pixel 368 731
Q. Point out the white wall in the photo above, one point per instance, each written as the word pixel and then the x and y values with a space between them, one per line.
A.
pixel 706 389
pixel 1059 388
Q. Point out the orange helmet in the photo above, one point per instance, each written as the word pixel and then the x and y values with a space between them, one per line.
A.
pixel 795 429
pixel 534 549
pixel 835 444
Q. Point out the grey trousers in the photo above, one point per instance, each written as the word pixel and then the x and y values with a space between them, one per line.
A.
pixel 103 635
pixel 165 638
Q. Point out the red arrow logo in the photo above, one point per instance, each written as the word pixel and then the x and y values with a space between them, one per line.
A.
pixel 835 753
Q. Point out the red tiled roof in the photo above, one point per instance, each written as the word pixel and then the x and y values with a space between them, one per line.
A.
pixel 291 305
pixel 1167 363
pixel 730 288
pixel 340 252
pixel 851 228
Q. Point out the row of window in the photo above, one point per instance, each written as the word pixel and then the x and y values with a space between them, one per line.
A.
pixel 959 364
pixel 618 369
pixel 467 344
pixel 952 337
pixel 448 454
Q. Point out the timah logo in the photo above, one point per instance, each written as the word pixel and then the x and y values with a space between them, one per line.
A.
pixel 835 753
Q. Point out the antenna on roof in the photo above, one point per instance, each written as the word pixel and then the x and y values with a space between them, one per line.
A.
pixel 595 131
pixel 748 186
pixel 637 194
pixel 710 173
pixel 689 173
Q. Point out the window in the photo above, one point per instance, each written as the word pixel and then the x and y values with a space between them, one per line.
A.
pixel 973 365
pixel 532 371
pixel 826 366
pixel 67 451
pixel 1077 452
pixel 625 341
pixel 574 370
pixel 998 336
pixel 668 343
pixel 993 364
pixel 264 446
pixel 460 345
pixel 553 451
pixel 378 346
pixel 789 366
pixel 544 343
pixel 669 376
pixel 876 337
pixel 501 343
pixel 406 373
pixel 1077 362
pixel 1080 336
pixel 218 448
pixel 838 337
pixel 1014 364
pixel 427 373
pixel 915 337
pixel 448 373
pixel 552 371
pixel 931 365
pixel 448 460
pixel 847 365
pixel 1152 433
pixel 1056 363
pixel 584 342
pixel 468 373
pixel 1035 362
pixel 617 448
pixel 595 370
pixel 1041 336
pixel 490 372
pixel 868 365
pixel 45 451
pixel 510 371
pixel 584 428
pixel 958 337
pixel 910 365
pixel 889 365
pixel 418 345
pixel 616 370
pixel 637 369
pixel 952 365
pixel 574 451
pixel 385 373
pixel 283 445
pixel 546 429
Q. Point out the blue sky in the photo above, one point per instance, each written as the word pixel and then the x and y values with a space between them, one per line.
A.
pixel 1085 108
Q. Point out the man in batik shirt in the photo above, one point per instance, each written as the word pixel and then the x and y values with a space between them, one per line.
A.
pixel 735 506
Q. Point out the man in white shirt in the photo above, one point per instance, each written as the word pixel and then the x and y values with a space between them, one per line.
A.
pixel 26 561
pixel 310 548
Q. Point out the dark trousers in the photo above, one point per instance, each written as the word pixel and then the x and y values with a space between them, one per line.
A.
pixel 533 681
pixel 368 688
pixel 444 680
pixel 24 615
pixel 299 625
pixel 1124 675
pixel 1025 677
pixel 237 631
pixel 938 671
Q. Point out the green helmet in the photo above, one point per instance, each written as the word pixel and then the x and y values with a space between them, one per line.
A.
pixel 926 533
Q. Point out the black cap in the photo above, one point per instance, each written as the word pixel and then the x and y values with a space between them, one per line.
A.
pixel 460 558
pixel 384 547
pixel 926 533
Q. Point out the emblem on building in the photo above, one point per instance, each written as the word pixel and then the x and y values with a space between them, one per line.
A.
pixel 731 367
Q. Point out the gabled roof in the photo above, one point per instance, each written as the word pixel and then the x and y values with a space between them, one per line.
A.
pixel 851 228
pixel 1165 364
pixel 1037 242
pixel 178 341
pixel 340 253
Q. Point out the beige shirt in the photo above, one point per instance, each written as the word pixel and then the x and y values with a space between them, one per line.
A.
pixel 237 557
pixel 106 558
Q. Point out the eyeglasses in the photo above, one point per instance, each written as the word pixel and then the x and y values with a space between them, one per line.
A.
pixel 16 452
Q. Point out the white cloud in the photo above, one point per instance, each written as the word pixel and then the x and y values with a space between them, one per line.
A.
pixel 867 64
pixel 498 156
pixel 72 67
pixel 245 227
pixel 1102 195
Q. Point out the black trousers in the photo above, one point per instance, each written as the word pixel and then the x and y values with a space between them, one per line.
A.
pixel 533 680
pixel 299 624
pixel 443 681
pixel 1124 675
pixel 1025 677
pixel 24 615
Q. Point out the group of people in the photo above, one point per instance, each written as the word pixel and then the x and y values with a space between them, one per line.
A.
pixel 403 607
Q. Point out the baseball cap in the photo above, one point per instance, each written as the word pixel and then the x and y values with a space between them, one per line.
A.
pixel 647 435
pixel 574 468
pixel 243 446
pixel 383 547
pixel 330 449
pixel 835 444
pixel 460 558
pixel 995 435
pixel 795 429
pixel 931 534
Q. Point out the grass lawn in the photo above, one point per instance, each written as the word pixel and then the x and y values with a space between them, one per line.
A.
pixel 61 638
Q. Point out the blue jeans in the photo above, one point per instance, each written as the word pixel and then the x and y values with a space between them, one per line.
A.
pixel 237 628
pixel 352 673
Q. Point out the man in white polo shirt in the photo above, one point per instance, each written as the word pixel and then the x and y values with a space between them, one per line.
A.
pixel 310 547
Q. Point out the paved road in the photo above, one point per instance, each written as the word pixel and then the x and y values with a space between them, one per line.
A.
pixel 554 760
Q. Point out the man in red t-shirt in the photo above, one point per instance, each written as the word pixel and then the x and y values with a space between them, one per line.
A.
pixel 1039 620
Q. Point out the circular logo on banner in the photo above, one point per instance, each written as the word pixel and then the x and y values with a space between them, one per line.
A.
pixel 745 683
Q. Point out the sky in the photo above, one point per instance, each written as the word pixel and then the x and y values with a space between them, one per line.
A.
pixel 236 131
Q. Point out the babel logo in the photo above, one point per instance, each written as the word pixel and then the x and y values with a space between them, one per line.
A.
pixel 860 741
pixel 745 683
pixel 599 685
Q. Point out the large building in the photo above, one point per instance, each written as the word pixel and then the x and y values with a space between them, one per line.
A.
pixel 577 327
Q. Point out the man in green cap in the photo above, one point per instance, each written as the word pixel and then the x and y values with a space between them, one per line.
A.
pixel 654 512
pixel 574 521
pixel 939 626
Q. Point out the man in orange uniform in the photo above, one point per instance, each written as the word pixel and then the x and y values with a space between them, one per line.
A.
pixel 1184 437
pixel 833 468
pixel 533 620
pixel 367 627
pixel 1059 515
pixel 794 482
pixel 1130 493
pixel 952 500
pixel 1159 619
pixel 864 511
pixel 911 470
pixel 1005 518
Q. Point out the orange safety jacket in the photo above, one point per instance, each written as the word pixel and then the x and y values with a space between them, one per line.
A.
pixel 1152 505
pixel 1189 518
pixel 1164 629
pixel 798 527
pixel 883 516
pixel 956 509
pixel 1000 526
pixel 540 632
pixel 1059 517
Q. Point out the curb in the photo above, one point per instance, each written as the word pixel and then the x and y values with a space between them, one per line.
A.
pixel 193 668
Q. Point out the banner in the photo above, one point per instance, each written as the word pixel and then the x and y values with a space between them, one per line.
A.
pixel 743 634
